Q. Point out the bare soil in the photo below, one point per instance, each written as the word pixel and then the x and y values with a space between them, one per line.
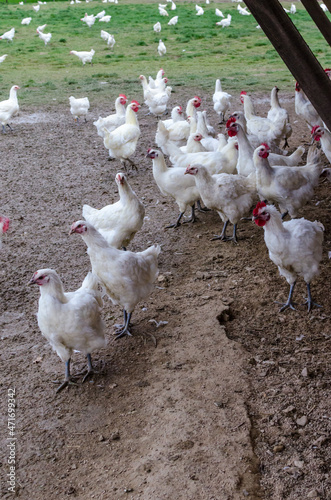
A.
pixel 214 410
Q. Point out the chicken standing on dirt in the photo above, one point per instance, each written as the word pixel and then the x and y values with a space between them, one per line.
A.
pixel 79 107
pixel 295 246
pixel 221 100
pixel 290 187
pixel 127 277
pixel 122 141
pixel 115 120
pixel 171 182
pixel 304 108
pixel 230 195
pixel 119 222
pixel 70 321
pixel 9 108
pixel 4 226
pixel 277 113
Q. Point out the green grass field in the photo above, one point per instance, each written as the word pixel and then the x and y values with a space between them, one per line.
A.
pixel 198 51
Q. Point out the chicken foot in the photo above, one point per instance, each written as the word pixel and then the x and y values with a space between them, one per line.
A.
pixel 223 236
pixel 289 303
pixel 124 329
pixel 90 370
pixel 177 223
pixel 68 379
pixel 202 209
pixel 193 217
pixel 309 299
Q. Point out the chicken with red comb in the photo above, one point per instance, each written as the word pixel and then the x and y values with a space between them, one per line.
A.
pixel 322 134
pixel 295 247
pixel 4 226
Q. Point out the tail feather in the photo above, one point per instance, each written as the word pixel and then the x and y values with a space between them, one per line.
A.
pixel 314 154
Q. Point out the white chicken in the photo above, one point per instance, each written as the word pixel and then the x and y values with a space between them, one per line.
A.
pixel 70 321
pixel 199 10
pixel 105 19
pixel 36 8
pixel 323 135
pixel 276 113
pixel 45 37
pixel 230 195
pixel 89 20
pixel 324 7
pixel 219 13
pixel 41 27
pixel 2 58
pixel 118 222
pixel 9 108
pixel 173 21
pixel 79 107
pixel 159 81
pixel 192 105
pixel 293 9
pixel 245 164
pixel 113 121
pixel 127 277
pixel 173 6
pixel 295 247
pixel 163 12
pixel 156 98
pixel 4 226
pixel 172 182
pixel 110 39
pixel 84 56
pixel 305 109
pixel 221 100
pixel 225 23
pixel 161 48
pixel 243 10
pixel 100 14
pixel 122 141
pixel 176 116
pixel 290 187
pixel 176 133
pixel 8 35
pixel 266 130
pixel 26 20
pixel 157 27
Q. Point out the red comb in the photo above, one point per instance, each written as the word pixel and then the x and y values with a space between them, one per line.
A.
pixel 197 97
pixel 265 145
pixel 313 130
pixel 230 120
pixel 136 102
pixel 5 222
pixel 258 207
pixel 124 96
pixel 243 92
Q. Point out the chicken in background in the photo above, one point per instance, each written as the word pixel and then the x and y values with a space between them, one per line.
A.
pixel 9 108
pixel 277 113
pixel 225 23
pixel 70 321
pixel 176 116
pixel 230 195
pixel 122 141
pixel 295 247
pixel 172 182
pixel 84 56
pixel 115 120
pixel 127 277
pixel 156 97
pixel 26 21
pixel 266 130
pixel 89 20
pixel 161 48
pixel 2 58
pixel 290 187
pixel 79 107
pixel 118 222
pixel 221 100
pixel 158 82
pixel 45 37
pixel 323 135
pixel 107 37
pixel 8 35
pixel 192 105
pixel 177 134
pixel 4 226
pixel 304 108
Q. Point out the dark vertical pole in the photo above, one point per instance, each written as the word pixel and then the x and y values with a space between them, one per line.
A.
pixel 319 17
pixel 295 53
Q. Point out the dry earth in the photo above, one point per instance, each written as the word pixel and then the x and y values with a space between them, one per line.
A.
pixel 214 411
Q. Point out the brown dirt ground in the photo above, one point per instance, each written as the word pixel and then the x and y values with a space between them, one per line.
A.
pixel 212 411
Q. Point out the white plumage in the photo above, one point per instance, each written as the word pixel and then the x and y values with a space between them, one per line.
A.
pixel 79 107
pixel 26 20
pixel 199 10
pixel 127 277
pixel 110 39
pixel 105 19
pixel 173 21
pixel 118 222
pixel 225 22
pixel 157 27
pixel 295 247
pixel 221 100
pixel 36 8
pixel 100 14
pixel 162 50
pixel 9 107
pixel 84 56
pixel 113 121
pixel 45 37
pixel 2 58
pixel 323 135
pixel 219 13
pixel 243 11
pixel 89 20
pixel 8 35
pixel 70 321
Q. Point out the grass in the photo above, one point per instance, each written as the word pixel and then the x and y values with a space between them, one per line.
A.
pixel 198 51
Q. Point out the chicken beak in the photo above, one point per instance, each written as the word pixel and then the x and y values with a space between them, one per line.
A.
pixel 32 281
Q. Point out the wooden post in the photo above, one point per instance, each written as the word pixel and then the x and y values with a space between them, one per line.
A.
pixel 319 17
pixel 296 54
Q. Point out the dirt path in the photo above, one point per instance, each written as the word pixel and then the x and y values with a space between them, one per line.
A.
pixel 212 411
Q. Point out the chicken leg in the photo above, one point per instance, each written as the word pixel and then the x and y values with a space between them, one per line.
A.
pixel 309 299
pixel 223 236
pixel 68 379
pixel 124 329
pixel 178 223
pixel 289 302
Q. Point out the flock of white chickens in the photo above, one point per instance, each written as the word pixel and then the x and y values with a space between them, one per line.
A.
pixel 228 173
